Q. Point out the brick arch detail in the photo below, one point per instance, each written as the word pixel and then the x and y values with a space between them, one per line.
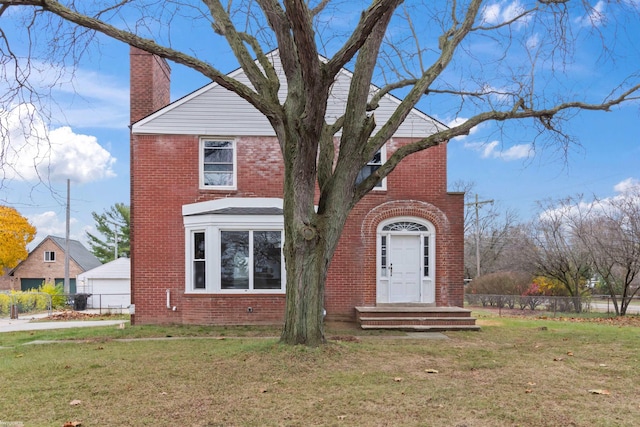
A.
pixel 410 208
pixel 398 208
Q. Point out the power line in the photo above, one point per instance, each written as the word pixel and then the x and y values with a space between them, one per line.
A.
pixel 477 205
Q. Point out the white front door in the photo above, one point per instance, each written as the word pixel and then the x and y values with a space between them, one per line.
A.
pixel 404 269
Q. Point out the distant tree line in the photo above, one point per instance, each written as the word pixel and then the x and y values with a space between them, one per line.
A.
pixel 570 248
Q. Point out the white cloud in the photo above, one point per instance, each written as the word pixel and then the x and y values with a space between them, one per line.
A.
pixel 49 224
pixel 533 41
pixel 628 191
pixel 460 120
pixel 629 184
pixel 595 16
pixel 491 150
pixel 498 13
pixel 83 98
pixel 516 152
pixel 31 152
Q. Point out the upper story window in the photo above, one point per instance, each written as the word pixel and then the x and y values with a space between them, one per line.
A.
pixel 373 165
pixel 218 163
pixel 49 256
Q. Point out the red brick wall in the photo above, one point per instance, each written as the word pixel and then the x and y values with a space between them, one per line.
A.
pixel 165 176
pixel 150 83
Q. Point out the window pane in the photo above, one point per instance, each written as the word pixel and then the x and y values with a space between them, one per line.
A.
pixel 218 167
pixel 234 259
pixel 267 259
pixel 221 179
pixel 383 256
pixel 373 165
pixel 377 159
pixel 218 144
pixel 199 263
pixel 224 155
pixel 198 275
pixel 425 262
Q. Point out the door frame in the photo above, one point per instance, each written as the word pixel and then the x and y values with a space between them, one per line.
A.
pixel 407 226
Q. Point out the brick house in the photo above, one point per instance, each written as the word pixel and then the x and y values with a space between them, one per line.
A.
pixel 207 223
pixel 46 263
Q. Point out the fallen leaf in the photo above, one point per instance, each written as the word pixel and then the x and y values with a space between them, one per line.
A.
pixel 599 391
pixel 163 393
pixel 528 391
pixel 602 365
pixel 75 402
pixel 72 424
pixel 530 383
pixel 558 359
pixel 569 353
pixel 397 379
pixel 20 355
pixel 431 371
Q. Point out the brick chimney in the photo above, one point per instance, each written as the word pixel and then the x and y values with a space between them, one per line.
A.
pixel 150 83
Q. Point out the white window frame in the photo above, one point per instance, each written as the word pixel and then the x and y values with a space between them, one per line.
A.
pixel 197 218
pixel 382 185
pixel 49 258
pixel 234 185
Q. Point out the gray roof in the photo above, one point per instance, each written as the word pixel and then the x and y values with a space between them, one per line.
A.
pixel 81 255
pixel 244 211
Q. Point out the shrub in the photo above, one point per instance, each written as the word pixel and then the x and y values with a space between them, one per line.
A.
pixel 501 283
pixel 5 304
pixel 56 291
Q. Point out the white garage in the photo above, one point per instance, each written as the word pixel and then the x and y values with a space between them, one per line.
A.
pixel 109 285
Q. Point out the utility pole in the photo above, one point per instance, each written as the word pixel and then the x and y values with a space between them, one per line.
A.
pixel 115 238
pixel 67 284
pixel 477 205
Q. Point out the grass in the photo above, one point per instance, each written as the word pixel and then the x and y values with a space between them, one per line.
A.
pixel 515 372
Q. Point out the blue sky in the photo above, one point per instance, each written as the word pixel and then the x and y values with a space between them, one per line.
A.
pixel 90 138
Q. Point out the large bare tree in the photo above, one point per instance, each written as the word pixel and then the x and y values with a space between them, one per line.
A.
pixel 557 252
pixel 610 230
pixel 458 55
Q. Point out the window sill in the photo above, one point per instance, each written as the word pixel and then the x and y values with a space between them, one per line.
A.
pixel 233 293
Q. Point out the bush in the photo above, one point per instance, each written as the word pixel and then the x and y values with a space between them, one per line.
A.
pixel 5 304
pixel 501 283
pixel 56 291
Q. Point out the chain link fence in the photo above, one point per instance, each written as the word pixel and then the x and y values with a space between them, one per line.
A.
pixel 552 304
pixel 13 304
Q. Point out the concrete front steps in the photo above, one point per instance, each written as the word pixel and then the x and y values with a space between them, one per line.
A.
pixel 416 318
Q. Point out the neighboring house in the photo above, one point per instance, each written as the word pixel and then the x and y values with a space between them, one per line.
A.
pixel 207 225
pixel 109 284
pixel 46 263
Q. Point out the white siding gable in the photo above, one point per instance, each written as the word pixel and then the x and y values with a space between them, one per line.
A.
pixel 213 110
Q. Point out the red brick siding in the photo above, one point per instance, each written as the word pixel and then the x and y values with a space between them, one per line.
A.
pixel 165 176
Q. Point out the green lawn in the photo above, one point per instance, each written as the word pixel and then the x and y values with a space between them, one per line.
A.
pixel 515 372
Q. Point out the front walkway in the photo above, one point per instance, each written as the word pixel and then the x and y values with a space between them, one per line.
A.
pixel 24 323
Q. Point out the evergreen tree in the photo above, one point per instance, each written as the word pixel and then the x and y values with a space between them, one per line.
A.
pixel 113 224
